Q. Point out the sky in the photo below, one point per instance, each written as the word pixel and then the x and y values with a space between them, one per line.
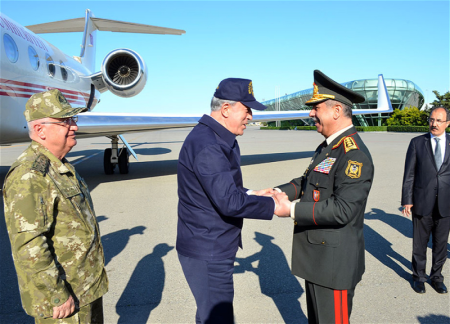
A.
pixel 277 44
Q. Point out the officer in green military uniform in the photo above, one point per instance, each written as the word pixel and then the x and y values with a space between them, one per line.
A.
pixel 328 242
pixel 55 239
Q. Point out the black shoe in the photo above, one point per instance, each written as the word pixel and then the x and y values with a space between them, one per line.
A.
pixel 419 287
pixel 439 287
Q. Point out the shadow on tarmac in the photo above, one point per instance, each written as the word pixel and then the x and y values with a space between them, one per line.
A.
pixel 144 290
pixel 275 278
pixel 433 319
pixel 400 223
pixel 382 249
pixel 114 243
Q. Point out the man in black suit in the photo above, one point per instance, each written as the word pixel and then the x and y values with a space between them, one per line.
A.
pixel 426 194
pixel 213 201
pixel 328 243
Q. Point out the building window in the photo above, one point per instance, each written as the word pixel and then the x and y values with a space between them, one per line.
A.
pixel 34 58
pixel 50 65
pixel 10 48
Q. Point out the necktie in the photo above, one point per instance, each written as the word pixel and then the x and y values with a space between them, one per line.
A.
pixel 438 154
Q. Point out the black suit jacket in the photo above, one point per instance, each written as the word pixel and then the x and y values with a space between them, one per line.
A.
pixel 328 243
pixel 422 182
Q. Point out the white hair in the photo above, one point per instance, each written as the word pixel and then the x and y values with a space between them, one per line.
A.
pixel 217 103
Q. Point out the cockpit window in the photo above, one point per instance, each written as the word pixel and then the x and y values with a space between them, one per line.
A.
pixel 10 48
pixel 50 65
pixel 34 58
pixel 63 70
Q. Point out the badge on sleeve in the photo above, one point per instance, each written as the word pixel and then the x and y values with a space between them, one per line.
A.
pixel 353 169
pixel 316 195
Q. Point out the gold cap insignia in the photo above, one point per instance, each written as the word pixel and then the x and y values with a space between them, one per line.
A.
pixel 250 89
pixel 317 96
pixel 353 169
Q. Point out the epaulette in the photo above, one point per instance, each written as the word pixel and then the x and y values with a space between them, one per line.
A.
pixel 41 164
pixel 349 143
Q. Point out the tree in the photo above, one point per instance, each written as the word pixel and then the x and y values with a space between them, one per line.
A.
pixel 441 101
pixel 410 116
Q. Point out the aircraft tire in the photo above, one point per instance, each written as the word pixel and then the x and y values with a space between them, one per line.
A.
pixel 107 165
pixel 124 161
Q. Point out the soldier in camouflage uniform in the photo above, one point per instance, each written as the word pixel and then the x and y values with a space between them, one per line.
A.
pixel 55 239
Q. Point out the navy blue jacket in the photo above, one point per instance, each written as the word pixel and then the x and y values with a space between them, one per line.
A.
pixel 212 200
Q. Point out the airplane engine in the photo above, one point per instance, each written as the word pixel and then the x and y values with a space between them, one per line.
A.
pixel 124 73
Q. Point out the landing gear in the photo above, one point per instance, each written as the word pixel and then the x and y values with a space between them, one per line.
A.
pixel 112 157
pixel 107 165
pixel 124 161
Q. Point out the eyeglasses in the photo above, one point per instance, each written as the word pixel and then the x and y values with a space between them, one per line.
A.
pixel 67 122
pixel 438 121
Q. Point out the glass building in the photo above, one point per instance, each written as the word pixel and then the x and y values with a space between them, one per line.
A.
pixel 403 93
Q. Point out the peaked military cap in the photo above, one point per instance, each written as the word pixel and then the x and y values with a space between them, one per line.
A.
pixel 326 88
pixel 50 103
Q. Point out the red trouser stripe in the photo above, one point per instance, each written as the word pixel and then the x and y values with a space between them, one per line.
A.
pixel 337 307
pixel 344 307
pixel 340 307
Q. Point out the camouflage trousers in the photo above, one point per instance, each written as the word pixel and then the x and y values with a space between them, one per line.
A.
pixel 88 314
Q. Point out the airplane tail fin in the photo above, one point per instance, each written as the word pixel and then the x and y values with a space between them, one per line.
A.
pixel 384 103
pixel 90 24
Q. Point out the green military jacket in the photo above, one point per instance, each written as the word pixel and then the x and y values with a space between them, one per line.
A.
pixel 55 239
pixel 328 243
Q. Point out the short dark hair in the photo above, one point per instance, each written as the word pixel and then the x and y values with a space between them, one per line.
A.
pixel 441 107
pixel 345 108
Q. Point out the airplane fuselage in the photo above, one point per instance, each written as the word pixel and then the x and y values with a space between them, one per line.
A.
pixel 33 65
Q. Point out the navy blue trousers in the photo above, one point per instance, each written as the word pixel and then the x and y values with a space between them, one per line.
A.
pixel 211 283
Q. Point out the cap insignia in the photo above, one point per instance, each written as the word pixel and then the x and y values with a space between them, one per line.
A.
pixel 250 89
pixel 317 96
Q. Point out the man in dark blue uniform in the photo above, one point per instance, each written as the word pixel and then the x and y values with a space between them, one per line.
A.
pixel 328 243
pixel 213 201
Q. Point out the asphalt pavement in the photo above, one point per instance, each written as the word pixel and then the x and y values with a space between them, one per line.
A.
pixel 137 214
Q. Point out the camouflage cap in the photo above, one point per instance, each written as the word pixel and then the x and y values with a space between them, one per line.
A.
pixel 50 103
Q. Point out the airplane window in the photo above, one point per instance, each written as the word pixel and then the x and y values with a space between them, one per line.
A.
pixel 34 58
pixel 63 70
pixel 10 48
pixel 50 65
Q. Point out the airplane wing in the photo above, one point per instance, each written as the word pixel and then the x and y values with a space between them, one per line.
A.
pixel 91 124
pixel 78 25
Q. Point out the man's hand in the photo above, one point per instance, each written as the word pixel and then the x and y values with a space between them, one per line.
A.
pixel 264 192
pixel 283 205
pixel 407 210
pixel 65 309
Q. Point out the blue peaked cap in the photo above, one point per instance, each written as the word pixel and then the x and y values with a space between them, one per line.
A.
pixel 238 90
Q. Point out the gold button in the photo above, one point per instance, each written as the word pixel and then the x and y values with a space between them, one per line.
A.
pixel 323 242
pixel 317 184
pixel 303 192
pixel 295 223
pixel 326 154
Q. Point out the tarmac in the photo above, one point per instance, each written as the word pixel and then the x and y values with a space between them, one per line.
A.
pixel 137 214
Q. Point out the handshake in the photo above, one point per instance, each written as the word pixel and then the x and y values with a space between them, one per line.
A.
pixel 282 203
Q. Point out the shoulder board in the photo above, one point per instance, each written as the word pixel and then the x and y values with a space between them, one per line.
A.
pixel 349 143
pixel 41 164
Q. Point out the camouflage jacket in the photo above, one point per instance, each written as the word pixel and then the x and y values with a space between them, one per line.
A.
pixel 55 239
